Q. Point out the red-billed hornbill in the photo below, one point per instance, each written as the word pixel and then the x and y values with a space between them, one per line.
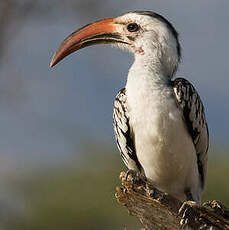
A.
pixel 159 124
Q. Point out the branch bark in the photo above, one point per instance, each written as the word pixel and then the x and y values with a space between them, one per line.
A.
pixel 160 211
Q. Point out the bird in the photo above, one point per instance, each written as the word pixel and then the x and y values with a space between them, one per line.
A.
pixel 159 123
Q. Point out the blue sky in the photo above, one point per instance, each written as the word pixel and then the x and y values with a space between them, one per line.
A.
pixel 47 113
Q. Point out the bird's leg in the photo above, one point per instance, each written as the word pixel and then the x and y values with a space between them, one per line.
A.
pixel 188 194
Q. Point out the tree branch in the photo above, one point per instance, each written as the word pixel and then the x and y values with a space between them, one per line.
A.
pixel 157 210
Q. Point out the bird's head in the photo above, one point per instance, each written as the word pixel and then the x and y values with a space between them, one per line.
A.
pixel 146 34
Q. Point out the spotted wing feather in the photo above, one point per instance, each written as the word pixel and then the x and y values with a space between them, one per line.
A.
pixel 192 108
pixel 122 132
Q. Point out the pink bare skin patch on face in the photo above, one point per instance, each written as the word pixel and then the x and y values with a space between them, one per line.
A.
pixel 139 50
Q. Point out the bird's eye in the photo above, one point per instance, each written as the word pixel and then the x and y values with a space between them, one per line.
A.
pixel 132 27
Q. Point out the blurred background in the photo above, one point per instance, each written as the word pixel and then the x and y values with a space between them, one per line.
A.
pixel 59 165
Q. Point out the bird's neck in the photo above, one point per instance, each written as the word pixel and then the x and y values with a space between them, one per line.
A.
pixel 147 73
pixel 147 87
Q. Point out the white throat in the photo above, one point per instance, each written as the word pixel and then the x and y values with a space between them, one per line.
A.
pixel 145 75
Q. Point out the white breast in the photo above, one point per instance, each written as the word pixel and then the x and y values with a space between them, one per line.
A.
pixel 163 146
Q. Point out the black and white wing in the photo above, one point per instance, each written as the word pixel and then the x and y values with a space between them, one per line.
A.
pixel 122 132
pixel 193 113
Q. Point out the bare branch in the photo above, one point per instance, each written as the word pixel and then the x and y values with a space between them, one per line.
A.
pixel 157 210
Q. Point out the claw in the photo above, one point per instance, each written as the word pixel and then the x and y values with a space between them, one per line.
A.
pixel 131 175
pixel 186 212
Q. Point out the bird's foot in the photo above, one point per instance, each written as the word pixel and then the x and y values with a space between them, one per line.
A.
pixel 133 179
pixel 131 176
pixel 186 213
pixel 217 207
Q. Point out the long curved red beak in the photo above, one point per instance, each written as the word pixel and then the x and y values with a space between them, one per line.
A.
pixel 100 32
